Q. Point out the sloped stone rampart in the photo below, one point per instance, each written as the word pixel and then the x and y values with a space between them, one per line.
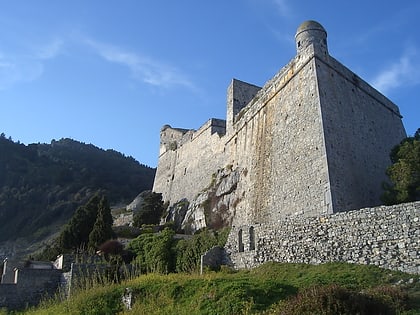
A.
pixel 388 237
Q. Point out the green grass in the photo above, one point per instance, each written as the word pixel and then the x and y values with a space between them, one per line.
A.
pixel 264 290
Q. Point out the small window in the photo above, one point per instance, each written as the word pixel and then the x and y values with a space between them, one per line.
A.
pixel 240 242
pixel 251 238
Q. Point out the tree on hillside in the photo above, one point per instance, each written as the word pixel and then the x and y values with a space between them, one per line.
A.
pixel 404 173
pixel 150 210
pixel 41 185
pixel 102 228
pixel 76 233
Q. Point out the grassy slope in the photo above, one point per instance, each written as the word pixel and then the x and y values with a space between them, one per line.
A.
pixel 256 291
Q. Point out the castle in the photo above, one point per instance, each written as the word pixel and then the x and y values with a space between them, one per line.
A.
pixel 283 171
pixel 314 141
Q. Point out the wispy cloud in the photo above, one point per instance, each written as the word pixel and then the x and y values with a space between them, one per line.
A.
pixel 20 69
pixel 283 8
pixel 143 68
pixel 26 66
pixel 404 71
pixel 50 50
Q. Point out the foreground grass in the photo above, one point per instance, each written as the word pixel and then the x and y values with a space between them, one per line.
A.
pixel 270 289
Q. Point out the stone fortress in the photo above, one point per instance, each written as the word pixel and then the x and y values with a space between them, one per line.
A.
pixel 284 171
pixel 292 159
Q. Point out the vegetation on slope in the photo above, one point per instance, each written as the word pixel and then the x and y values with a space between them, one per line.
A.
pixel 41 185
pixel 89 228
pixel 162 253
pixel 404 173
pixel 273 288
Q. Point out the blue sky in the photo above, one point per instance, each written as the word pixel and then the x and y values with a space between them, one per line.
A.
pixel 112 73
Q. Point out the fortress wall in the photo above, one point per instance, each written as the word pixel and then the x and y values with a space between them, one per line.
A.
pixel 361 127
pixel 239 94
pixel 314 140
pixel 299 174
pixel 388 237
pixel 188 169
pixel 164 172
pixel 278 139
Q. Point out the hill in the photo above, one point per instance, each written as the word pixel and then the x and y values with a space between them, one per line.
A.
pixel 41 185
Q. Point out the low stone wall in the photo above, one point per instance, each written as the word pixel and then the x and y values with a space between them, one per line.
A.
pixel 33 285
pixel 388 237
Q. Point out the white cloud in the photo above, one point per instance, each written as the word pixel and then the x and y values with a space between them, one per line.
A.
pixel 404 71
pixel 142 68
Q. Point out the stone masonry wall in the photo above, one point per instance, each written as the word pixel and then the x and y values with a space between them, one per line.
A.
pixel 187 168
pixel 314 140
pixel 279 141
pixel 32 286
pixel 361 127
pixel 388 237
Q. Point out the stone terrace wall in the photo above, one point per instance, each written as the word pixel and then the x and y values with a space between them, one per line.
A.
pixel 33 285
pixel 388 237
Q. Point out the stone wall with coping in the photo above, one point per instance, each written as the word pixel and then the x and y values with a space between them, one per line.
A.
pixel 388 237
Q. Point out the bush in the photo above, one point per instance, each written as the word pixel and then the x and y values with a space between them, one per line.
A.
pixel 189 251
pixel 334 299
pixel 404 173
pixel 154 251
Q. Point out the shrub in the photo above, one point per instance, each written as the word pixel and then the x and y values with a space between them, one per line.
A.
pixel 154 251
pixel 333 299
pixel 189 251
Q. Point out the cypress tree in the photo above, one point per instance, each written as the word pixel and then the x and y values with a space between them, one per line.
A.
pixel 102 228
pixel 76 233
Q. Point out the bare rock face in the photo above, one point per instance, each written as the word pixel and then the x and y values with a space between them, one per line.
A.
pixel 214 207
pixel 137 202
pixel 176 213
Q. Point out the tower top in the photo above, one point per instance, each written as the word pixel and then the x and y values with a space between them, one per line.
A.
pixel 311 33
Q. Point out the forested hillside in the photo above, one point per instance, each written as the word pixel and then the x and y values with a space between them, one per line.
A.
pixel 41 185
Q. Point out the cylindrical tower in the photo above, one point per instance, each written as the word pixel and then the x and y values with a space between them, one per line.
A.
pixel 311 33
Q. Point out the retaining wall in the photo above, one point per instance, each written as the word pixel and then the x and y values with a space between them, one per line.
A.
pixel 388 237
pixel 32 286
